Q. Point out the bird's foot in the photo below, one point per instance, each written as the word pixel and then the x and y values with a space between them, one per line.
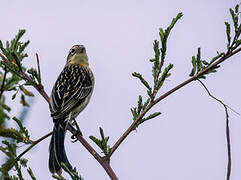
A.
pixel 74 136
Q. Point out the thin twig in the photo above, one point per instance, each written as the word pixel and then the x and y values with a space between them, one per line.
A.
pixel 229 166
pixel 227 129
pixel 152 103
pixel 37 58
pixel 34 143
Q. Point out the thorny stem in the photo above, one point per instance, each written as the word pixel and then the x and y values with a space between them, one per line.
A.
pixel 152 103
pixel 227 130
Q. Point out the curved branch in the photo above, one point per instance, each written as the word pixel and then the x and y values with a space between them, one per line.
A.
pixel 135 123
pixel 229 166
pixel 34 143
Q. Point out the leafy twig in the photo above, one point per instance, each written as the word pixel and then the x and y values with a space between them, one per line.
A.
pixel 32 145
pixel 195 77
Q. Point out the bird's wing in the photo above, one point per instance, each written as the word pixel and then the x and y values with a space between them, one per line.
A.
pixel 73 85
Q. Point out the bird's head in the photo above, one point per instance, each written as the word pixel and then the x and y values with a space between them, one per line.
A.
pixel 77 55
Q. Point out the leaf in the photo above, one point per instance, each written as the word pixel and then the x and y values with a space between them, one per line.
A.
pixel 25 91
pixel 216 57
pixel 164 76
pixel 30 172
pixel 194 66
pixel 23 101
pixel 139 107
pixel 15 56
pixel 11 133
pixel 151 116
pixel 143 81
pixel 228 33
pixel 145 104
pixel 14 96
pixel 134 113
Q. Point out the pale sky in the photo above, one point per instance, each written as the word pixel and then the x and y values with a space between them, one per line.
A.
pixel 187 142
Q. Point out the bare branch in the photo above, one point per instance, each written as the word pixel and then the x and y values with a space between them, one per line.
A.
pixel 227 130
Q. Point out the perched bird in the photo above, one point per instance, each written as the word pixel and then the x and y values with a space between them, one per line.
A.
pixel 70 95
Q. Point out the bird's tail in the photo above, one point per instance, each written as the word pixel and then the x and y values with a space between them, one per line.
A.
pixel 57 153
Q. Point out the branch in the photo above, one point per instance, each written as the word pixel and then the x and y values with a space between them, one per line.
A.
pixel 152 103
pixel 34 143
pixel 104 162
pixel 227 129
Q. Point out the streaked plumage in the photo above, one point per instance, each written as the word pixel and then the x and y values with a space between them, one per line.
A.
pixel 70 95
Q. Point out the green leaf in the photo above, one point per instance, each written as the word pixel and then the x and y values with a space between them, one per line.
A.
pixel 72 172
pixel 174 20
pixel 15 56
pixel 162 35
pixel 30 172
pixel 194 62
pixel 102 133
pixel 228 34
pixel 164 76
pixel 102 143
pixel 11 133
pixel 145 104
pixel 22 128
pixel 151 116
pixel 95 140
pixel 139 107
pixel 216 57
pixel 143 81
pixel 134 113
pixel 23 101
pixel 14 96
pixel 199 64
pixel 25 91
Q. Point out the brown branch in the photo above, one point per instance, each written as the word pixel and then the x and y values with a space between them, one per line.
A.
pixel 227 130
pixel 104 162
pixel 152 103
pixel 32 145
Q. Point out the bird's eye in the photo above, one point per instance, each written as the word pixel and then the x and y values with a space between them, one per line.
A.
pixel 72 51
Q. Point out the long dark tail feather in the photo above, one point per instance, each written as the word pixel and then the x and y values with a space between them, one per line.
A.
pixel 57 153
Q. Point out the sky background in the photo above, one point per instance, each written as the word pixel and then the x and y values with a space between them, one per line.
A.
pixel 188 140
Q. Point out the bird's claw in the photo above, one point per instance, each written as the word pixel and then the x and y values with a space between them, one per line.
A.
pixel 74 136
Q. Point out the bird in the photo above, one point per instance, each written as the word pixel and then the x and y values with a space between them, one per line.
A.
pixel 70 95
